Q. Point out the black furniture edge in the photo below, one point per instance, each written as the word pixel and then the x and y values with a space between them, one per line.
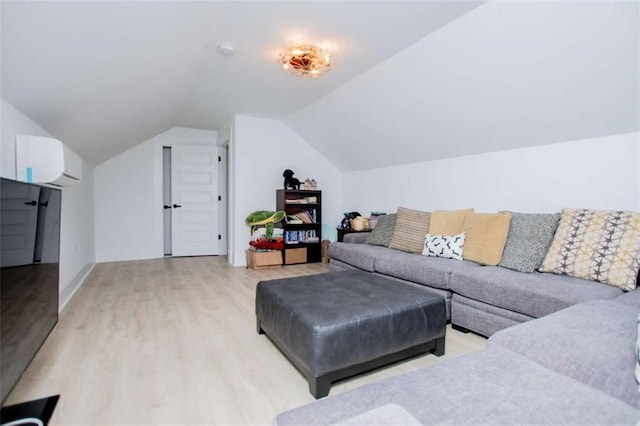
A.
pixel 41 409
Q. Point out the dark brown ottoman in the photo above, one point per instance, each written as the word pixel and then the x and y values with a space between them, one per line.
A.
pixel 338 324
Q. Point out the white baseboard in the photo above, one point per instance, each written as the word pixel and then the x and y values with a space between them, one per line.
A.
pixel 70 289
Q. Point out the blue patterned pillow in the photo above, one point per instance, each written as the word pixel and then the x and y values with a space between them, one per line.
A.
pixel 447 246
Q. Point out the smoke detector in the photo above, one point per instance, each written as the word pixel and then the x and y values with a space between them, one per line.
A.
pixel 226 49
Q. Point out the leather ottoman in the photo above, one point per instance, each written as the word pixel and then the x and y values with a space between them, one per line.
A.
pixel 338 324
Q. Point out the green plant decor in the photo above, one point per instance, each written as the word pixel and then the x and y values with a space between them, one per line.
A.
pixel 266 218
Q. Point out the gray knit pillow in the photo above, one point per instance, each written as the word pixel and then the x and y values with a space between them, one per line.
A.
pixel 529 238
pixel 383 231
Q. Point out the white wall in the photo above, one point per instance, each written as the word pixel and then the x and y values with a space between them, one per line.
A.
pixel 77 242
pixel 77 252
pixel 124 206
pixel 506 75
pixel 260 150
pixel 128 197
pixel 600 173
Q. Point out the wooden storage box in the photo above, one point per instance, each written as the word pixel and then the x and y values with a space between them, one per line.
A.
pixel 264 259
pixel 296 255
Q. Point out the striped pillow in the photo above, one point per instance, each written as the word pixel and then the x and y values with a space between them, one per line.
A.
pixel 411 227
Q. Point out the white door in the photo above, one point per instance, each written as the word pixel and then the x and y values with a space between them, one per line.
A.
pixel 19 222
pixel 194 198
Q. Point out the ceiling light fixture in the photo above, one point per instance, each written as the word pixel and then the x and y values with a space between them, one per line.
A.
pixel 306 60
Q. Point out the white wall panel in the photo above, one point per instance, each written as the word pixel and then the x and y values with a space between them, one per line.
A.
pixel 600 173
pixel 260 151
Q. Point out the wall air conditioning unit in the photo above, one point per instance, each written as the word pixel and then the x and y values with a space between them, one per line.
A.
pixel 46 160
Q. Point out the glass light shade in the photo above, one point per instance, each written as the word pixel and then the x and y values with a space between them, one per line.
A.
pixel 306 60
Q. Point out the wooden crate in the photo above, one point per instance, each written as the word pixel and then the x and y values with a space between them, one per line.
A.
pixel 296 255
pixel 264 259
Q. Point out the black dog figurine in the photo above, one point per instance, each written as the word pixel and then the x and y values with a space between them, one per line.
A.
pixel 289 181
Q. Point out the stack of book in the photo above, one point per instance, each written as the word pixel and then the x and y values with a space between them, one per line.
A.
pixel 304 200
pixel 295 237
pixel 305 216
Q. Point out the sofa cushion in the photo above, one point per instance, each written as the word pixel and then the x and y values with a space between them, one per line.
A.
pixel 493 387
pixel 481 317
pixel 591 342
pixel 387 414
pixel 486 236
pixel 361 256
pixel 383 231
pixel 448 222
pixel 430 271
pixel 535 294
pixel 637 366
pixel 529 238
pixel 446 246
pixel 598 245
pixel 411 227
pixel 629 298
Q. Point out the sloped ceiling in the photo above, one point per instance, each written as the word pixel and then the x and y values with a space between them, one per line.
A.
pixel 105 76
pixel 505 75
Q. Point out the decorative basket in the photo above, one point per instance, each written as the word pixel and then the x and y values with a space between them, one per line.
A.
pixel 359 223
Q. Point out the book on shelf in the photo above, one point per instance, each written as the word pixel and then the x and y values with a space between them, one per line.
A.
pixel 294 220
pixel 304 200
pixel 296 237
pixel 305 216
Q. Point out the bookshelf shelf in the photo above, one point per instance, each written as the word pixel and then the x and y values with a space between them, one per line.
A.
pixel 306 207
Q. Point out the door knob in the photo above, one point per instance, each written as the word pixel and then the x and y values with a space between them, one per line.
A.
pixel 176 206
pixel 31 203
pixel 166 207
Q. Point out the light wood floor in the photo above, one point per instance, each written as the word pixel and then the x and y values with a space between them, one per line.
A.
pixel 173 341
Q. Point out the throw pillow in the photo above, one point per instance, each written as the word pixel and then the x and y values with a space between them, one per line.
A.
pixel 486 237
pixel 529 238
pixel 411 227
pixel 382 233
pixel 447 246
pixel 448 222
pixel 597 245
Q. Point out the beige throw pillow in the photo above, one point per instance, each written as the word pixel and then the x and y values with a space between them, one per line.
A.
pixel 486 237
pixel 448 222
pixel 411 227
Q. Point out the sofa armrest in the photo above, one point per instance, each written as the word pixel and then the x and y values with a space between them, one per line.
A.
pixel 355 238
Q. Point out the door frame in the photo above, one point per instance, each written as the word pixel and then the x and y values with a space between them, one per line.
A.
pixel 201 137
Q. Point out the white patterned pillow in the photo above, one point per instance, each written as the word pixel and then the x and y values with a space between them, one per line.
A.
pixel 447 246
pixel 597 245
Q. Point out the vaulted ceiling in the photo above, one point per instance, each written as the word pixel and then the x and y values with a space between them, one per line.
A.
pixel 413 81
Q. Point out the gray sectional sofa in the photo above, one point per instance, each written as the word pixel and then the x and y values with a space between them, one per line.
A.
pixel 561 350
pixel 483 299
pixel 575 366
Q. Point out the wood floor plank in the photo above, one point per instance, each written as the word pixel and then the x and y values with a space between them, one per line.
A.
pixel 173 341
